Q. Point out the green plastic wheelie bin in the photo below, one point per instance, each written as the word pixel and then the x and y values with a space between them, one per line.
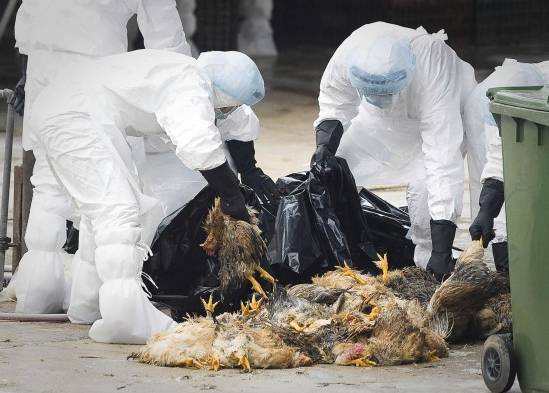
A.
pixel 522 114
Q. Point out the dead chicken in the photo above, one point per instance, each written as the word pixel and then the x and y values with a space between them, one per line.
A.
pixel 412 283
pixel 396 338
pixel 465 293
pixel 239 247
pixel 315 328
pixel 229 341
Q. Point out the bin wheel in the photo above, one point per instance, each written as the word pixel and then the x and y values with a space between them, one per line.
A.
pixel 499 367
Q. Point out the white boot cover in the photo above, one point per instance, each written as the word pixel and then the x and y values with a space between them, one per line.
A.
pixel 40 285
pixel 84 301
pixel 127 315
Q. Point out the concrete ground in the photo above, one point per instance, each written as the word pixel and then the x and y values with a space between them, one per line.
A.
pixel 41 357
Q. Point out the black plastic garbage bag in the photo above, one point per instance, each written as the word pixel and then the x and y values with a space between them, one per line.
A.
pixel 181 269
pixel 323 222
pixel 389 227
pixel 319 225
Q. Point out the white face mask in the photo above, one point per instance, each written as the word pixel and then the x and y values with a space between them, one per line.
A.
pixel 221 115
pixel 385 102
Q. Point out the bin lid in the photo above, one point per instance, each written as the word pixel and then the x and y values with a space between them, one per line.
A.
pixel 528 102
pixel 529 97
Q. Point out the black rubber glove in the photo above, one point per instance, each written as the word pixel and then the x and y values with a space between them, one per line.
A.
pixel 223 180
pixel 18 99
pixel 501 256
pixel 243 155
pixel 490 201
pixel 441 263
pixel 328 136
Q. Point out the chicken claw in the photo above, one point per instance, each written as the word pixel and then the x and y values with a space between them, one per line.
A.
pixel 363 362
pixel 383 265
pixel 297 326
pixel 255 305
pixel 190 363
pixel 432 357
pixel 245 309
pixel 245 363
pixel 214 363
pixel 255 285
pixel 209 306
pixel 265 275
pixel 346 270
pixel 372 316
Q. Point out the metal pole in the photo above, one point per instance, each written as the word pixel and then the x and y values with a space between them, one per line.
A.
pixel 8 147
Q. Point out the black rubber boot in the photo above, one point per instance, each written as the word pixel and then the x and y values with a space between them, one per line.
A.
pixel 501 256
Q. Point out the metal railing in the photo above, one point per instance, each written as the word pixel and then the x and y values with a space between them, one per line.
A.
pixel 5 241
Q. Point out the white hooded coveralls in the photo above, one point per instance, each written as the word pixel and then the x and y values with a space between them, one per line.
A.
pixel 83 134
pixel 480 121
pixel 423 135
pixel 55 34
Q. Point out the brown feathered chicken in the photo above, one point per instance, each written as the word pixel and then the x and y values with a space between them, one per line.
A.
pixel 464 294
pixel 389 329
pixel 239 247
pixel 343 317
pixel 229 341
pixel 398 337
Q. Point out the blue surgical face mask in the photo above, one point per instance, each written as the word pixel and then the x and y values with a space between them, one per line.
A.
pixel 385 102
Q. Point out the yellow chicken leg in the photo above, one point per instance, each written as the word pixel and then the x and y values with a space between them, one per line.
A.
pixel 255 285
pixel 265 275
pixel 255 305
pixel 190 363
pixel 245 309
pixel 209 306
pixel 346 270
pixel 214 362
pixel 297 326
pixel 244 362
pixel 363 362
pixel 383 265
pixel 372 316
pixel 432 357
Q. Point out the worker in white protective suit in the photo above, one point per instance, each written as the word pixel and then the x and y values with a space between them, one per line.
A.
pixel 415 87
pixel 489 224
pixel 167 179
pixel 55 34
pixel 255 35
pixel 83 134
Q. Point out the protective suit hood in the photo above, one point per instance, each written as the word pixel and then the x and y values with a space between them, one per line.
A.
pixel 386 68
pixel 235 78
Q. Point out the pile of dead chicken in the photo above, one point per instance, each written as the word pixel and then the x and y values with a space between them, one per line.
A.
pixel 343 317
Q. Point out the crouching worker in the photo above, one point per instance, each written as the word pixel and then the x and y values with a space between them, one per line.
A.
pixel 413 86
pixel 83 134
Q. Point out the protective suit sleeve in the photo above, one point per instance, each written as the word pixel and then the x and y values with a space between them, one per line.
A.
pixel 511 73
pixel 23 27
pixel 241 125
pixel 161 26
pixel 494 156
pixel 436 87
pixel 338 100
pixel 185 112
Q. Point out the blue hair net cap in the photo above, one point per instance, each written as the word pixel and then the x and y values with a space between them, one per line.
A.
pixel 234 74
pixel 386 68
